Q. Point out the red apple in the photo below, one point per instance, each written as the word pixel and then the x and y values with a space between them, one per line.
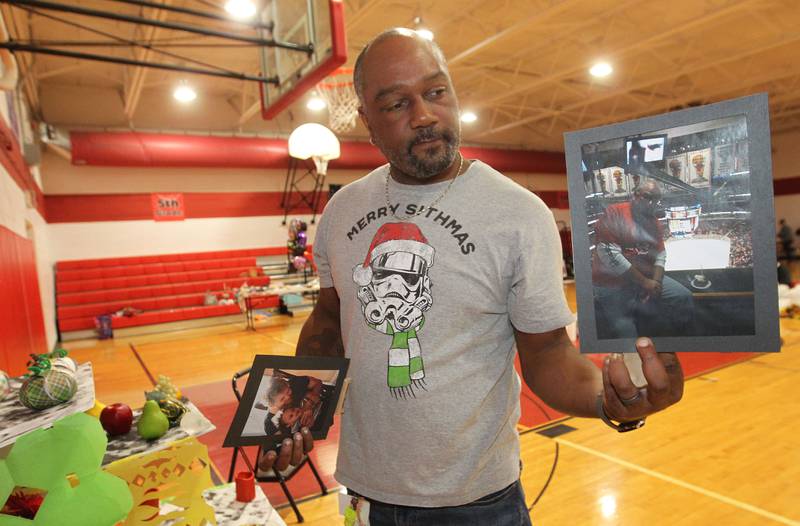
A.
pixel 116 419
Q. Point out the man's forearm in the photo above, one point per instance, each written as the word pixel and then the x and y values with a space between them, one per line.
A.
pixel 321 336
pixel 658 273
pixel 634 276
pixel 562 377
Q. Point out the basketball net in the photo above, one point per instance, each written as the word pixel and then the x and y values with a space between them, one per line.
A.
pixel 338 93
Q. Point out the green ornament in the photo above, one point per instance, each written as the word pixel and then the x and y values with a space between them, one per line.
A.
pixel 45 458
pixel 173 410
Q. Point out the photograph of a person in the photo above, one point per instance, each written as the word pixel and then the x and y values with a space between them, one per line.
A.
pixel 287 400
pixel 284 394
pixel 674 257
pixel 662 255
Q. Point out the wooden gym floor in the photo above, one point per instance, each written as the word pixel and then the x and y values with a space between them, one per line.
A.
pixel 727 454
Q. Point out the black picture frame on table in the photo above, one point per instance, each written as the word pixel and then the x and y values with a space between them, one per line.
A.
pixel 286 366
pixel 589 150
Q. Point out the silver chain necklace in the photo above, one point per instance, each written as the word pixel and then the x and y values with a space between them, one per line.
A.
pixel 422 208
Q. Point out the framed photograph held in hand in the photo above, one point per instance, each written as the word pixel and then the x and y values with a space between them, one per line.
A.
pixel 686 255
pixel 284 394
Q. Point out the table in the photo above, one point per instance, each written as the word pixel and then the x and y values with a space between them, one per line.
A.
pixel 251 303
pixel 256 299
pixel 16 419
pixel 193 423
pixel 230 512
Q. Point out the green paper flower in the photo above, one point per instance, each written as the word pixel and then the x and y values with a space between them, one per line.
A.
pixel 49 459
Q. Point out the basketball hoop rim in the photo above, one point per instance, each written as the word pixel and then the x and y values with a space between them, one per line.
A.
pixel 336 73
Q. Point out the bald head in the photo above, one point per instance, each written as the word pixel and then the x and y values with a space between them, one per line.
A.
pixel 649 188
pixel 359 80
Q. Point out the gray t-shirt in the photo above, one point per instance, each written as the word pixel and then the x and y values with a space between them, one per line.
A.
pixel 427 308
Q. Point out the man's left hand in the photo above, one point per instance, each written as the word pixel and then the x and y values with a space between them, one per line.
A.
pixel 623 401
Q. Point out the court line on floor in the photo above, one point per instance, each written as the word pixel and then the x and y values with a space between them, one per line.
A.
pixel 141 362
pixel 687 485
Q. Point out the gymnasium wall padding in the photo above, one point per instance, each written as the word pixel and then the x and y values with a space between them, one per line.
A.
pixel 21 320
pixel 172 150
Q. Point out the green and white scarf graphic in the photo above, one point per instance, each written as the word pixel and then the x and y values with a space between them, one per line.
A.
pixel 406 371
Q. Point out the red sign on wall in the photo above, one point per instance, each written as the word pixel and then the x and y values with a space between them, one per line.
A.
pixel 168 207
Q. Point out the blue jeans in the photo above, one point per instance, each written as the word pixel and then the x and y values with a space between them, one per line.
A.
pixel 504 508
pixel 622 314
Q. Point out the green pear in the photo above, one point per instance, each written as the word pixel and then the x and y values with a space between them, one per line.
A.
pixel 152 423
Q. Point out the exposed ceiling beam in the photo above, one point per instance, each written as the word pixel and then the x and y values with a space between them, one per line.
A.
pixel 249 112
pixel 363 12
pixel 511 30
pixel 24 63
pixel 586 102
pixel 58 150
pixel 786 113
pixel 61 71
pixel 640 45
pixel 134 90
pixel 705 97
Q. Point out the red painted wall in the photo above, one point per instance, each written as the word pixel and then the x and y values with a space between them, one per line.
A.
pixel 21 322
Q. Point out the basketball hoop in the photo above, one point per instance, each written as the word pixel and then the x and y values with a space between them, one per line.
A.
pixel 338 93
pixel 315 141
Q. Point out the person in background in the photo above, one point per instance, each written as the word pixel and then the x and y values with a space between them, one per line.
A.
pixel 786 238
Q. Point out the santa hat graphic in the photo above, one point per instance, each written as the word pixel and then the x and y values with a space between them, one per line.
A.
pixel 393 237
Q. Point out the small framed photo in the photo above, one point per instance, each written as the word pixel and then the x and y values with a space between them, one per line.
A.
pixel 284 394
pixel 682 248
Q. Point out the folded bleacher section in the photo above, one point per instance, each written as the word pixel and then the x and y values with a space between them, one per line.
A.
pixel 155 289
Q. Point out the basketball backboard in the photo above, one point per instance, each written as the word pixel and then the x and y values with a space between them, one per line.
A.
pixel 316 22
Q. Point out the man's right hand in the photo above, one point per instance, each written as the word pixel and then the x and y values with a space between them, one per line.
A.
pixel 291 452
pixel 651 289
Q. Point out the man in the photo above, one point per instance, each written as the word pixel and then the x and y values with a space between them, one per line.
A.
pixel 631 292
pixel 278 398
pixel 787 240
pixel 431 268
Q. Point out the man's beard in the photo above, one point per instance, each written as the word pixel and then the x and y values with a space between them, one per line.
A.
pixel 433 160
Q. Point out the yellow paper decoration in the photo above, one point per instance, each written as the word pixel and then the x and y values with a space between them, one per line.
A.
pixel 174 477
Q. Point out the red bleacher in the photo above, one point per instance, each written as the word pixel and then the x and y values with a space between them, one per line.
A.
pixel 165 288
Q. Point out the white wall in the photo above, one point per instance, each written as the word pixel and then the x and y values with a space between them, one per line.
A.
pixel 12 204
pixel 61 177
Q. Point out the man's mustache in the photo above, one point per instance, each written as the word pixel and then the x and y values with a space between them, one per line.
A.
pixel 429 134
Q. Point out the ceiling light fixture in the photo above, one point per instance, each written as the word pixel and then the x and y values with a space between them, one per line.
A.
pixel 468 117
pixel 601 69
pixel 315 103
pixel 184 93
pixel 427 34
pixel 240 8
pixel 421 30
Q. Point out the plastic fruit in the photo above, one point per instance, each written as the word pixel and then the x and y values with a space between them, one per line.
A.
pixel 173 410
pixel 116 419
pixel 152 423
pixel 96 410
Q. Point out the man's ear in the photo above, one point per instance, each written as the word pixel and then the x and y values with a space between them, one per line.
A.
pixel 363 116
